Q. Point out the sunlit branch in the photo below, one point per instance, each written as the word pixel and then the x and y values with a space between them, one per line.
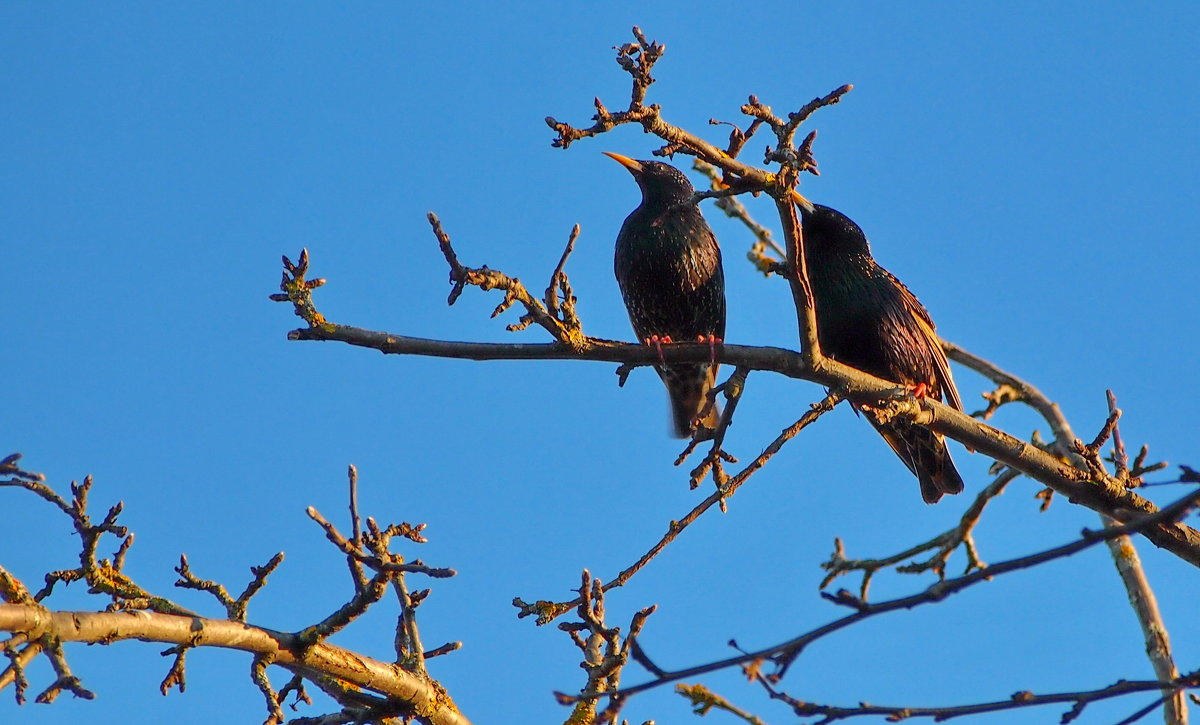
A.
pixel 404 689
pixel 1102 494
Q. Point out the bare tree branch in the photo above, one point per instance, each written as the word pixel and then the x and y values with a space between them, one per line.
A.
pixel 405 689
pixel 546 611
pixel 1084 484
pixel 286 650
pixel 1124 554
pixel 785 653
pixel 945 544
pixel 704 700
pixel 605 653
pixel 1018 700
pixel 1099 492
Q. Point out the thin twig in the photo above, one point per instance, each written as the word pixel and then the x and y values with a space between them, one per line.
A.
pixel 1141 595
pixel 766 254
pixel 355 566
pixel 605 653
pixel 546 611
pixel 704 701
pixel 733 389
pixel 565 329
pixel 945 544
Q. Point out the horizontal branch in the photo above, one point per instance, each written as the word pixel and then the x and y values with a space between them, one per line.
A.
pixel 284 649
pixel 1104 495
pixel 1018 700
pixel 776 359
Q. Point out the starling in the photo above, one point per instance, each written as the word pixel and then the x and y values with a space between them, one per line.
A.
pixel 867 319
pixel 668 266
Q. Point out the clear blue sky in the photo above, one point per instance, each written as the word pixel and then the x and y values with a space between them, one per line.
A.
pixel 1028 169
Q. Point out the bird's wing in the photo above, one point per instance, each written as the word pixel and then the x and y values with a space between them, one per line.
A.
pixel 931 341
pixel 702 260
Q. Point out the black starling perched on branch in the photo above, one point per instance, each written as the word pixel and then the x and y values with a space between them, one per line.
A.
pixel 668 265
pixel 867 319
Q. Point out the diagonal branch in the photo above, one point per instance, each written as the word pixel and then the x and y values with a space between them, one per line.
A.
pixel 765 253
pixel 102 575
pixel 1124 554
pixel 785 653
pixel 797 276
pixel 546 611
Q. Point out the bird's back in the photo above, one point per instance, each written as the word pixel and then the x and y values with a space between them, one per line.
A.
pixel 868 319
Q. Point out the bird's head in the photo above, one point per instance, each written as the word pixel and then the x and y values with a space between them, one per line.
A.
pixel 829 230
pixel 659 182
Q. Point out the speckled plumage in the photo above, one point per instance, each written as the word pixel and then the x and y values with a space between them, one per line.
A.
pixel 867 319
pixel 668 266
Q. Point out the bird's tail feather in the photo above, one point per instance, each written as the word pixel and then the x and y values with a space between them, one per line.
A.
pixel 926 455
pixel 688 386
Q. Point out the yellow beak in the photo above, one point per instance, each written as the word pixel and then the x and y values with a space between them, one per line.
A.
pixel 625 161
pixel 802 202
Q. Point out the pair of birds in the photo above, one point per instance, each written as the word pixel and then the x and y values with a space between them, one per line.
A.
pixel 668 266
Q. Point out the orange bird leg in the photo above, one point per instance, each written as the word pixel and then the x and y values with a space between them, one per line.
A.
pixel 712 341
pixel 658 341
